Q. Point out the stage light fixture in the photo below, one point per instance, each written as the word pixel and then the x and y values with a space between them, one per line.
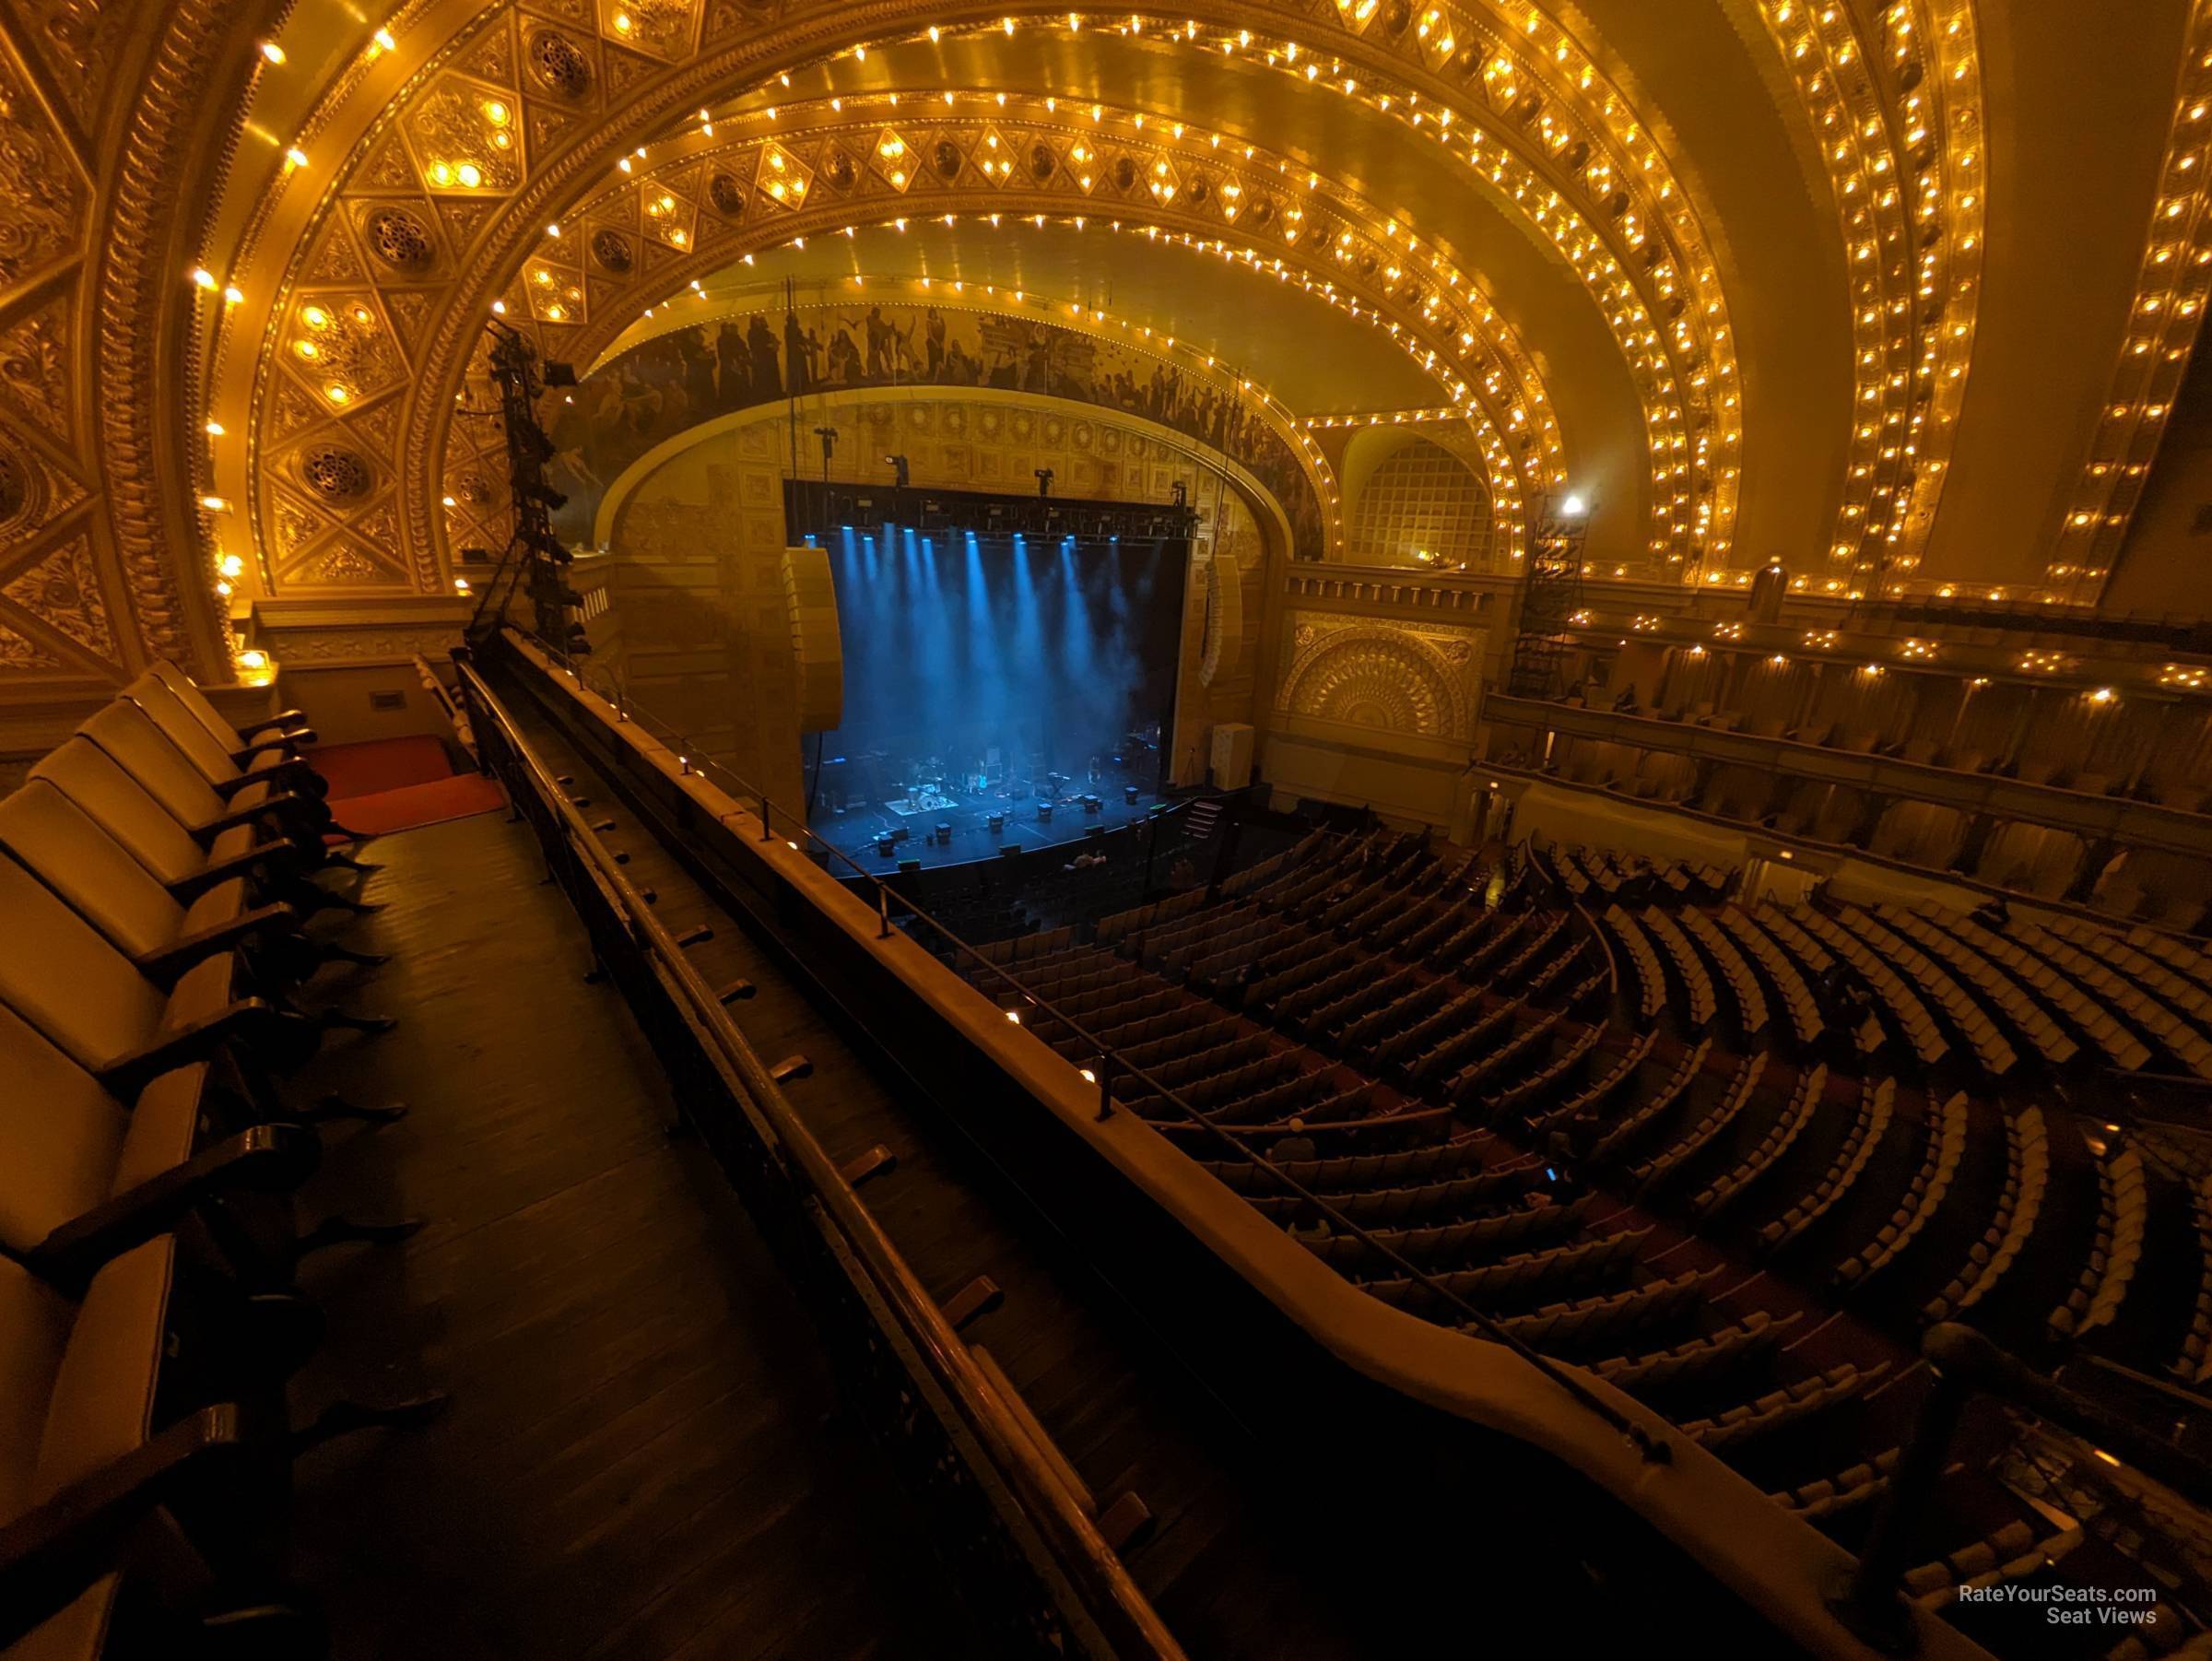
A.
pixel 558 373
pixel 547 494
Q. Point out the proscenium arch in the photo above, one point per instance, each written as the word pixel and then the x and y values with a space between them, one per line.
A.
pixel 673 280
pixel 1056 309
pixel 719 305
pixel 1266 512
pixel 510 234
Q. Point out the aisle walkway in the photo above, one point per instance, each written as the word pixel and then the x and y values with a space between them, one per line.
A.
pixel 641 1458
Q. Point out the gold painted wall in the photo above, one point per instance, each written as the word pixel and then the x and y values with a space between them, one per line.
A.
pixel 1376 711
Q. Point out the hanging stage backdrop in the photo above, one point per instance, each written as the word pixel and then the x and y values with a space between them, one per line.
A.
pixel 661 386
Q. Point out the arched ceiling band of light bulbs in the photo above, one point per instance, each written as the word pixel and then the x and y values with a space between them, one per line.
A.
pixel 1891 93
pixel 1448 338
pixel 1512 77
pixel 2164 319
pixel 1466 316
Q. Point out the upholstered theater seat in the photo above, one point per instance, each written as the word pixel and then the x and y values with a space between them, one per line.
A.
pixel 218 763
pixel 163 935
pixel 88 776
pixel 141 750
pixel 289 725
pixel 61 976
pixel 67 1146
pixel 76 1394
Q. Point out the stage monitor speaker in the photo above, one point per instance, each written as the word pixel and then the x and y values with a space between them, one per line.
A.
pixel 1008 850
pixel 908 867
pixel 1232 754
pixel 1094 831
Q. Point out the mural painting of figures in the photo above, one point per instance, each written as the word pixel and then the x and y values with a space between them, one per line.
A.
pixel 661 386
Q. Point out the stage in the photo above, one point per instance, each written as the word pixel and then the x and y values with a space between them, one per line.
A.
pixel 854 832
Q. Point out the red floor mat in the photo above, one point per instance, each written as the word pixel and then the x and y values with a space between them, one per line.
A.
pixel 384 811
pixel 355 770
pixel 389 784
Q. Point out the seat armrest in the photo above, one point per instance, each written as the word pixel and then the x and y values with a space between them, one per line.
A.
pixel 249 864
pixel 284 741
pixel 51 1553
pixel 286 721
pixel 165 965
pixel 127 1075
pixel 226 788
pixel 277 802
pixel 267 1158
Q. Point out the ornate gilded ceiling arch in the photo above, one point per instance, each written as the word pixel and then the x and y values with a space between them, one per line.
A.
pixel 892 147
pixel 881 162
pixel 660 227
pixel 2165 317
pixel 1560 137
pixel 1892 91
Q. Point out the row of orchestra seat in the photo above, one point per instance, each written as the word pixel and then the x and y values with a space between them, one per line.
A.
pixel 1504 1093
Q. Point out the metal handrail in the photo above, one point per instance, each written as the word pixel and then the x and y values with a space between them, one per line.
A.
pixel 1651 1447
pixel 1112 1597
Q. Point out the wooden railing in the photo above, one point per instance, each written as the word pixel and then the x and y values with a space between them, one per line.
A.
pixel 1059 1584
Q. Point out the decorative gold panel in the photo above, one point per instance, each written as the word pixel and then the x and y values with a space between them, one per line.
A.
pixel 1386 675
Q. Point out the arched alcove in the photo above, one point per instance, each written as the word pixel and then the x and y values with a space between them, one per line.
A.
pixel 1419 504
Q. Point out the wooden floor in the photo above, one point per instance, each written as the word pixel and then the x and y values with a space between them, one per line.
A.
pixel 641 1457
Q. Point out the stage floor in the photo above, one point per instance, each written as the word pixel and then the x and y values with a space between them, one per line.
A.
pixel 854 832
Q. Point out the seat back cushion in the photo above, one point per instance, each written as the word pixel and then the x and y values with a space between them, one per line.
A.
pixel 60 1137
pixel 63 977
pixel 88 776
pixel 34 1331
pixel 181 728
pixel 89 868
pixel 138 746
pixel 103 1405
pixel 182 687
